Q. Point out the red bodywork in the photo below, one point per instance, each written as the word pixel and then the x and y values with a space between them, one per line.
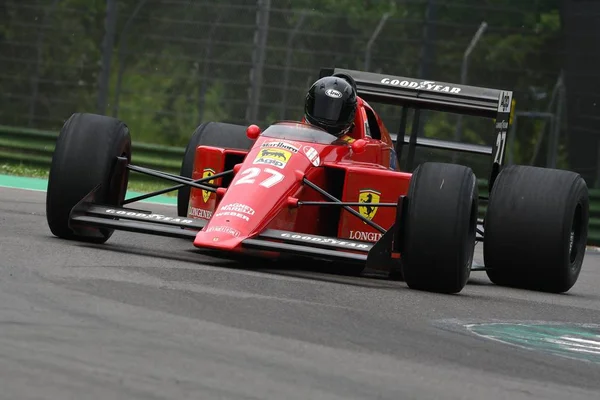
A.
pixel 267 185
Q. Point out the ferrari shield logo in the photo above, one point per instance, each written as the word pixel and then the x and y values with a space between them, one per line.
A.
pixel 207 172
pixel 368 196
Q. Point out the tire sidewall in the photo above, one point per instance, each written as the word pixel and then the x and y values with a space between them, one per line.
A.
pixel 528 227
pixel 84 156
pixel 580 199
pixel 450 252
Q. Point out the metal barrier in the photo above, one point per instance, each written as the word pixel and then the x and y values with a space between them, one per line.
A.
pixel 33 147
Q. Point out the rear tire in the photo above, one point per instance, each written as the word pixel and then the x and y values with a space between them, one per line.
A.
pixel 536 228
pixel 439 228
pixel 84 156
pixel 217 134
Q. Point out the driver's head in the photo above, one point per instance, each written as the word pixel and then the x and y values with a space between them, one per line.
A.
pixel 331 104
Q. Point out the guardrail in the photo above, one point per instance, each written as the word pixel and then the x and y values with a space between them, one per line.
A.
pixel 34 147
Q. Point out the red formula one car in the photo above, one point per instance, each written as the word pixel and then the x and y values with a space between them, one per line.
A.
pixel 294 189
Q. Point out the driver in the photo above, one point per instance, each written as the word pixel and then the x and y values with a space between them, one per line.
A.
pixel 331 104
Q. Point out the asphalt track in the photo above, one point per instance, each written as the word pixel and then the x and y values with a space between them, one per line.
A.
pixel 144 317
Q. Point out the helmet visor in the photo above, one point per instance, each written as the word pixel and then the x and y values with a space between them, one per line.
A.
pixel 326 109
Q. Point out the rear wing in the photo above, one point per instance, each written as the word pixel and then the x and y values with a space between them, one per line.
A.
pixel 431 95
pixel 437 96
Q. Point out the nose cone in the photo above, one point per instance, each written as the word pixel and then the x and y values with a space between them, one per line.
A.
pixel 271 172
pixel 219 237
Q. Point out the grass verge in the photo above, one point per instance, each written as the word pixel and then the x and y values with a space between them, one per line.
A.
pixel 136 185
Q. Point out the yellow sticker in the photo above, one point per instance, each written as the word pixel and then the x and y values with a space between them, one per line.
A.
pixel 274 157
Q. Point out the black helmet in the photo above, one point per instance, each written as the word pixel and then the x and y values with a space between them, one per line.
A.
pixel 331 104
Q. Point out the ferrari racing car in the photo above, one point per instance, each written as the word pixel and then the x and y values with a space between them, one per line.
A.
pixel 294 189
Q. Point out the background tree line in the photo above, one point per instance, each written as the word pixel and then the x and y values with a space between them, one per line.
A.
pixel 183 62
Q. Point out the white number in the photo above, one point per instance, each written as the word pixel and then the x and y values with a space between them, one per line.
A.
pixel 274 179
pixel 250 174
pixel 500 141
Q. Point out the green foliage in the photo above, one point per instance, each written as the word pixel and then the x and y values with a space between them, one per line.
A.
pixel 189 62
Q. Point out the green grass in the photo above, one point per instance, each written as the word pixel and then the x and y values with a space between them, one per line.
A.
pixel 23 170
pixel 136 185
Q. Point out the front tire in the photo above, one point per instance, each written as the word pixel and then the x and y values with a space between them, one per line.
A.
pixel 439 228
pixel 536 228
pixel 84 156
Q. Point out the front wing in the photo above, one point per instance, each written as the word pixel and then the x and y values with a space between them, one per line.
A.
pixel 378 256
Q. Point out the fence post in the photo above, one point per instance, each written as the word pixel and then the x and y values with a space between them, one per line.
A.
pixel 122 55
pixel 427 52
pixel 510 147
pixel 203 89
pixel 597 182
pixel 258 59
pixel 376 32
pixel 38 61
pixel 464 72
pixel 288 61
pixel 554 136
pixel 553 97
pixel 108 43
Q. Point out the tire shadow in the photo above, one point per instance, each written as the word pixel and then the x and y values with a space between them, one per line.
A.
pixel 298 268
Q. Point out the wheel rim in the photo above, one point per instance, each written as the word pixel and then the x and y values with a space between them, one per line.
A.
pixel 575 235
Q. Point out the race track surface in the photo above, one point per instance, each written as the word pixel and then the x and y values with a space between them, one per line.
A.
pixel 144 317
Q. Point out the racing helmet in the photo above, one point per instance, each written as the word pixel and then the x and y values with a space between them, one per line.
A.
pixel 331 104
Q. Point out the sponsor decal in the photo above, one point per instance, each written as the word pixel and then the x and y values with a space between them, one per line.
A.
pixel 238 207
pixel 274 157
pixel 504 102
pixel 200 213
pixel 504 107
pixel 281 145
pixel 205 174
pixel 368 196
pixel 157 217
pixel 224 229
pixel 502 125
pixel 423 85
pixel 232 214
pixel 365 236
pixel 336 94
pixel 316 239
pixel 312 155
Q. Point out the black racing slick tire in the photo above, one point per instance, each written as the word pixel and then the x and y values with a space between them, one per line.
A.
pixel 217 134
pixel 439 228
pixel 535 228
pixel 84 156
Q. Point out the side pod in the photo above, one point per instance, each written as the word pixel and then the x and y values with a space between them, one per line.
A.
pixel 384 255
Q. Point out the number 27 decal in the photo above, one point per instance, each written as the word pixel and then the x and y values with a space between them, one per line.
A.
pixel 249 176
pixel 500 146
